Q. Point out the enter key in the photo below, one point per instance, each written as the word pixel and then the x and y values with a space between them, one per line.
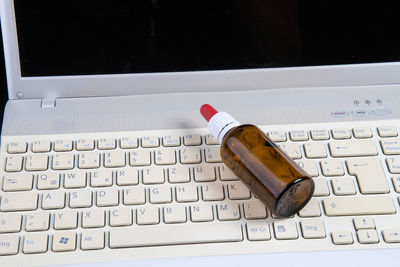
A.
pixel 370 175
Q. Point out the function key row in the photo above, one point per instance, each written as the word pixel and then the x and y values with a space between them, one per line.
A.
pixel 109 143
pixel 336 133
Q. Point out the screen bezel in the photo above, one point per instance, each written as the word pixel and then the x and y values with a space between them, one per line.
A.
pixel 51 87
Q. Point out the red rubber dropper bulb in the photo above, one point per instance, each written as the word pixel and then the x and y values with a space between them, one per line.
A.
pixel 208 111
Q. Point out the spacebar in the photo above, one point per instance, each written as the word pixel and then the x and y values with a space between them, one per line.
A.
pixel 158 235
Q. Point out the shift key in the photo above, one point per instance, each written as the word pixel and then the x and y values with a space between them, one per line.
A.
pixel 363 205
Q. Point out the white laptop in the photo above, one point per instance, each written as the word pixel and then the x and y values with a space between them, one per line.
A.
pixel 106 160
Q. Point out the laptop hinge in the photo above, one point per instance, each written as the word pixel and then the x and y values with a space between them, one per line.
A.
pixel 48 103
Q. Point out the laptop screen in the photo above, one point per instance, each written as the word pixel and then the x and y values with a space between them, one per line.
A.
pixel 78 37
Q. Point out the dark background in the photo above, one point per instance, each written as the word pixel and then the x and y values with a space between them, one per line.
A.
pixel 3 83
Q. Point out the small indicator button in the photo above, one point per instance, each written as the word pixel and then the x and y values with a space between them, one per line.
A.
pixel 381 112
pixel 340 113
pixel 361 112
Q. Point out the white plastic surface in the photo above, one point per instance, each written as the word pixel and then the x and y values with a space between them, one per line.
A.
pixel 204 81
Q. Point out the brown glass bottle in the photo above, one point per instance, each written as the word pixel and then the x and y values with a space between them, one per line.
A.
pixel 275 178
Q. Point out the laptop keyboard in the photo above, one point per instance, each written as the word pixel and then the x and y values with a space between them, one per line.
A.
pixel 90 193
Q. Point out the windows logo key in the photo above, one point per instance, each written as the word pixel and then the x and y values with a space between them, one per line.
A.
pixel 64 240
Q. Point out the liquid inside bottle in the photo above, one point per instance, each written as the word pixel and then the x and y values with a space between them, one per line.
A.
pixel 275 178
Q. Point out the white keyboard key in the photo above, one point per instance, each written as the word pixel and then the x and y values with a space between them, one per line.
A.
pixel 315 150
pixel 147 215
pixel 393 164
pixel 12 201
pixel 38 221
pixel 75 179
pixel 114 159
pixel 277 136
pixel 309 166
pixel 48 180
pixel 320 134
pixel 84 144
pixel 63 145
pixel 93 218
pixel 227 174
pixel 178 174
pixel 258 230
pixel 89 160
pixel 92 239
pixel 312 209
pixel 64 161
pixel 14 163
pixel 66 219
pixel 362 132
pixel 121 216
pixel 53 200
pixel 321 187
pixel 332 167
pixel 154 175
pixel 171 140
pixel 10 222
pixel 36 162
pixel 343 186
pixel 369 236
pixel 254 209
pixel 174 214
pixel 292 150
pixel 129 142
pixel 186 193
pixel 150 141
pixel 80 199
pixel 342 238
pixel 211 140
pixel 353 148
pixel 204 173
pixel 192 140
pixel 364 223
pixel 9 245
pixel 16 147
pixel 391 146
pixel 341 133
pixel 101 178
pixel 127 177
pixel 164 157
pixel 106 143
pixel 173 234
pixel 313 228
pixel 298 135
pixel 212 192
pixel 41 146
pixel 228 211
pixel 139 157
pixel 17 182
pixel 190 155
pixel 387 131
pixel 134 196
pixel 35 243
pixel 370 175
pixel 285 229
pixel 391 235
pixel 160 194
pixel 362 205
pixel 107 197
pixel 238 190
pixel 64 241
pixel 212 154
pixel 201 212
pixel 396 183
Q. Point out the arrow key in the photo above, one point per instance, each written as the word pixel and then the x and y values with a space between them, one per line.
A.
pixel 342 238
pixel 391 235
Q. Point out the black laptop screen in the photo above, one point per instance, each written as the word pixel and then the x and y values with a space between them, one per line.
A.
pixel 80 37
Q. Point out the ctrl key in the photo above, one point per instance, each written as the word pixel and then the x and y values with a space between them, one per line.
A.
pixel 9 244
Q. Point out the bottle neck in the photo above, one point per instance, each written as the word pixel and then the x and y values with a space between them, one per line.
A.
pixel 220 124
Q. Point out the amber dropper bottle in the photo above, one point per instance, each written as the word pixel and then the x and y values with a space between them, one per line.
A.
pixel 272 175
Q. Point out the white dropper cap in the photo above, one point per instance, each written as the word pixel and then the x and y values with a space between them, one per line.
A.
pixel 219 123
